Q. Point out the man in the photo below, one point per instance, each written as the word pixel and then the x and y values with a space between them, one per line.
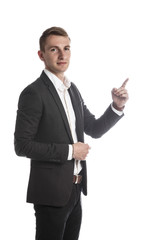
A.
pixel 51 121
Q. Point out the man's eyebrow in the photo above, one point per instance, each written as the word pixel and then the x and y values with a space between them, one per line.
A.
pixel 52 47
pixel 58 46
pixel 67 46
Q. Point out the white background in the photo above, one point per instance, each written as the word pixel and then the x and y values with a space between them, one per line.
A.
pixel 111 40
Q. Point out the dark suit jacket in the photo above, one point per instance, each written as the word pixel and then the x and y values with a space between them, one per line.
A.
pixel 42 133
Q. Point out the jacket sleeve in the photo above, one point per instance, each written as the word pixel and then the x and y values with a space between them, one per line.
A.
pixel 97 127
pixel 29 113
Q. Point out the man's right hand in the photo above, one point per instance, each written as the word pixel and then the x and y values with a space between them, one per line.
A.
pixel 80 150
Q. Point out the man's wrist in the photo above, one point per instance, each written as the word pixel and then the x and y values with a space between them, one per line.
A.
pixel 118 108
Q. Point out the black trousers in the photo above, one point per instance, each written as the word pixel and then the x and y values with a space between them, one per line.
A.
pixel 60 223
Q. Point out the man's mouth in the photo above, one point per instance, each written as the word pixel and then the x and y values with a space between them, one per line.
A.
pixel 62 63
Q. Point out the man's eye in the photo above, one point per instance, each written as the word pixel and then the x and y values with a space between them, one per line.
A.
pixel 53 50
pixel 67 49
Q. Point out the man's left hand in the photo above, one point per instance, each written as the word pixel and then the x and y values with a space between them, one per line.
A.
pixel 120 96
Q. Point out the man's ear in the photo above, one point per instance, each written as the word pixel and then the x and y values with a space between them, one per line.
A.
pixel 40 54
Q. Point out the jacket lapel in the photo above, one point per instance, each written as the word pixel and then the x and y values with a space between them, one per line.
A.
pixel 54 94
pixel 78 113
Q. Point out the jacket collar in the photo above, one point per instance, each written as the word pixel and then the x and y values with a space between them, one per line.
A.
pixel 58 84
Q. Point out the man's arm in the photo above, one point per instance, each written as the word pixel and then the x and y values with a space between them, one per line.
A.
pixel 97 127
pixel 29 114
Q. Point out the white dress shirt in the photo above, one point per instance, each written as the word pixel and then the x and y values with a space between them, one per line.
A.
pixel 67 104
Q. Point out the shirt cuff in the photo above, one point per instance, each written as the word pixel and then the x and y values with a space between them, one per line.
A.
pixel 120 113
pixel 70 152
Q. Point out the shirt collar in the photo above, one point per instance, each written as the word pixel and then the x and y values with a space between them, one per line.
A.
pixel 59 85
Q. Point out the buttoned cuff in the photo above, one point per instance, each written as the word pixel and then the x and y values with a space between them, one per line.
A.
pixel 70 152
pixel 120 113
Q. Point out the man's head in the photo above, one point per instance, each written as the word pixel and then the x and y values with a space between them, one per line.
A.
pixel 57 31
pixel 55 50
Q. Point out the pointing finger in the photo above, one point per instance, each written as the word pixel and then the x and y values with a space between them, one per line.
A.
pixel 124 83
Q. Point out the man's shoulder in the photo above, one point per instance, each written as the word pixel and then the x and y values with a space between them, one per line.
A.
pixel 35 85
pixel 35 92
pixel 75 89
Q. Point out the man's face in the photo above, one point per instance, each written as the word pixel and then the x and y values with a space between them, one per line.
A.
pixel 57 54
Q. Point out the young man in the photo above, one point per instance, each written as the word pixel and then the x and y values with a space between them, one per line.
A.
pixel 51 121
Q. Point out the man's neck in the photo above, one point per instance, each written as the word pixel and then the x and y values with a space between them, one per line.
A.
pixel 58 75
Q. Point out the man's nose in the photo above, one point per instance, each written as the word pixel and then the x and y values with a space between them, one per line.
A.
pixel 62 54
